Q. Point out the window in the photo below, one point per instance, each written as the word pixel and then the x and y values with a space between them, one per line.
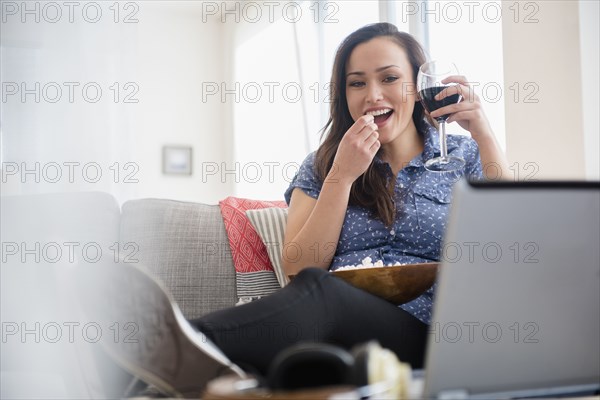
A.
pixel 282 71
pixel 281 75
pixel 470 34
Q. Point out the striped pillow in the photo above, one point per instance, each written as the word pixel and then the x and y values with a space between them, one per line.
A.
pixel 270 223
pixel 255 276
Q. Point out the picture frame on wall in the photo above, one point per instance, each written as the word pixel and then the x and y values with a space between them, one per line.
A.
pixel 177 160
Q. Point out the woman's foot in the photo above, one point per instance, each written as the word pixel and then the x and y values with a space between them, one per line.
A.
pixel 145 332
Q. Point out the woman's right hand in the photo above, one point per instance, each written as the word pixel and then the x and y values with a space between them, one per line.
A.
pixel 355 151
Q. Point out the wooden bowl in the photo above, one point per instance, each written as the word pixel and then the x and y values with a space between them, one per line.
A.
pixel 398 285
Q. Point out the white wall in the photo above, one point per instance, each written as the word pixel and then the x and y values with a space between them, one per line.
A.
pixel 589 32
pixel 166 56
pixel 544 122
pixel 179 55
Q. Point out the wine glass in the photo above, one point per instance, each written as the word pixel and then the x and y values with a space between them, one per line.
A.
pixel 429 84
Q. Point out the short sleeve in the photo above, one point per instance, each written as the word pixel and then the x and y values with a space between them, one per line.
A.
pixel 305 179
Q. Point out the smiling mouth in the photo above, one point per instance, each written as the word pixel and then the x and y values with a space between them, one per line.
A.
pixel 380 116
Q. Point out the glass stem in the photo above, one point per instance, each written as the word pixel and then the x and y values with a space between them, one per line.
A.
pixel 443 146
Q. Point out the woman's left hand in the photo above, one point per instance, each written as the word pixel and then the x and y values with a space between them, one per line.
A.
pixel 468 112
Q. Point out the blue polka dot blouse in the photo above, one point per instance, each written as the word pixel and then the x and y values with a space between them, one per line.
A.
pixel 422 200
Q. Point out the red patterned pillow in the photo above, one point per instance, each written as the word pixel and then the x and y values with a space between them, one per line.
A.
pixel 255 274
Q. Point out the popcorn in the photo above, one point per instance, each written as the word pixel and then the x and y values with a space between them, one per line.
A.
pixel 367 262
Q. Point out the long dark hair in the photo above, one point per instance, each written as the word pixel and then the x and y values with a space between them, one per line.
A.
pixel 373 189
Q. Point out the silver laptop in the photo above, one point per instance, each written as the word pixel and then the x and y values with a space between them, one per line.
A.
pixel 517 308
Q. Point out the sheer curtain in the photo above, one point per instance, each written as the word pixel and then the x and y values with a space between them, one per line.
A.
pixel 281 79
pixel 472 38
pixel 269 110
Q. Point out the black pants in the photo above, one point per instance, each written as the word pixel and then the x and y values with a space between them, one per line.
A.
pixel 318 307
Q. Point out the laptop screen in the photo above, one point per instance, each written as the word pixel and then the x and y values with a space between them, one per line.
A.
pixel 517 304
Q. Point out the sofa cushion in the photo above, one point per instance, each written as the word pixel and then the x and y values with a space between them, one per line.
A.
pixel 186 246
pixel 254 272
pixel 270 224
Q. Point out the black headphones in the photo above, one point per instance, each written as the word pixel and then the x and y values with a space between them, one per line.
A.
pixel 369 367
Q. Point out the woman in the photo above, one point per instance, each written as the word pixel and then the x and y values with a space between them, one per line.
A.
pixel 364 193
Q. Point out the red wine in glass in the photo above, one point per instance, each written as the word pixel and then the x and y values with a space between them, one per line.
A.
pixel 431 104
pixel 429 84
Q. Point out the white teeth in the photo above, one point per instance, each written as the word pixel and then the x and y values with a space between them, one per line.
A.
pixel 379 112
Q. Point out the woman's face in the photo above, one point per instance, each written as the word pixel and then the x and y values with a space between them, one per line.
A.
pixel 379 82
